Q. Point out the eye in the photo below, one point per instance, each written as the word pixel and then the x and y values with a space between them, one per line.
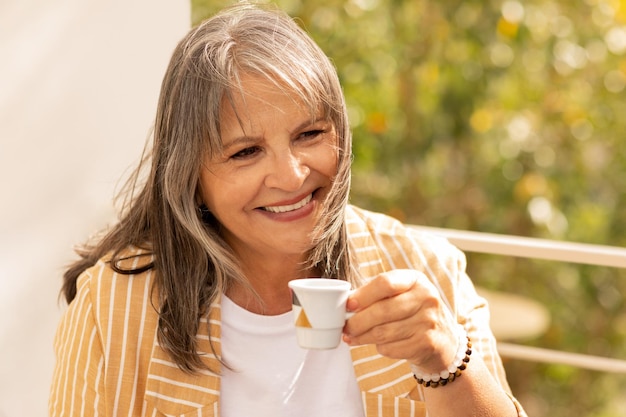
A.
pixel 311 134
pixel 246 152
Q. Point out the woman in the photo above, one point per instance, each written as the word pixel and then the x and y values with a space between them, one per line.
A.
pixel 183 307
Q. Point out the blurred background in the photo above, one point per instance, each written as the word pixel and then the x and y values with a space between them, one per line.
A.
pixel 491 116
pixel 79 80
pixel 498 116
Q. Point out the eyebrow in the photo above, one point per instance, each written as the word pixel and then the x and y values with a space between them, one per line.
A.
pixel 239 141
pixel 246 139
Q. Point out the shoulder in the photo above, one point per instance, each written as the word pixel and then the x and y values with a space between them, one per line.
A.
pixel 117 295
pixel 111 323
pixel 381 243
pixel 112 273
pixel 360 220
pixel 390 232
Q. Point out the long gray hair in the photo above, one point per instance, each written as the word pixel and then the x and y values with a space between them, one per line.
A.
pixel 193 263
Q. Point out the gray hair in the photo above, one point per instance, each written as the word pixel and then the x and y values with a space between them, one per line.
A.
pixel 194 263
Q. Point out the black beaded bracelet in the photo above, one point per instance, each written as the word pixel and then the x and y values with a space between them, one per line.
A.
pixel 446 377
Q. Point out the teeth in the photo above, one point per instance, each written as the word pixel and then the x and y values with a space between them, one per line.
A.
pixel 283 209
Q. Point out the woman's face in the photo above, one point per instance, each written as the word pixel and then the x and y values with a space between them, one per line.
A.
pixel 268 186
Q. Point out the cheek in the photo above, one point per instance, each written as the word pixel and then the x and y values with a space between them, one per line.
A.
pixel 330 161
pixel 223 194
pixel 212 191
pixel 204 188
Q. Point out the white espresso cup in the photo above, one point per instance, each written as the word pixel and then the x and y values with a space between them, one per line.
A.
pixel 319 308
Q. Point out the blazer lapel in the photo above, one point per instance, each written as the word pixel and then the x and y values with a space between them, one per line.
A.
pixel 173 392
pixel 387 384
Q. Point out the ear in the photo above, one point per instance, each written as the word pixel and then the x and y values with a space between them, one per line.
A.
pixel 205 214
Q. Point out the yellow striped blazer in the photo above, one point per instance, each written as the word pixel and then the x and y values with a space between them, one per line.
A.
pixel 109 363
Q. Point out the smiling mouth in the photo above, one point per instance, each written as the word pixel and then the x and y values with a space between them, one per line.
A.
pixel 291 207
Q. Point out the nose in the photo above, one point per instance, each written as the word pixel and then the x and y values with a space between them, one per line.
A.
pixel 286 171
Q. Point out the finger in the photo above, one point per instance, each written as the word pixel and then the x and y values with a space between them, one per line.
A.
pixel 383 334
pixel 383 286
pixel 398 349
pixel 399 308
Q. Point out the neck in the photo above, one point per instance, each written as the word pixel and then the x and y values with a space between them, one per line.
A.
pixel 268 292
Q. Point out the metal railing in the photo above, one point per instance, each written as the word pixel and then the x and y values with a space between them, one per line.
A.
pixel 534 248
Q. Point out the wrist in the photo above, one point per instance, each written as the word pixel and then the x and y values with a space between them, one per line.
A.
pixel 453 370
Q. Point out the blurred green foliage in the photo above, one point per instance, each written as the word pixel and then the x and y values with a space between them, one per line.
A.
pixel 505 117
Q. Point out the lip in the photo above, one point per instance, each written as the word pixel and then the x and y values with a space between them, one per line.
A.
pixel 284 208
pixel 294 214
pixel 291 201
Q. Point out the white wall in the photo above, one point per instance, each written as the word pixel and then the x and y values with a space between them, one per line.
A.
pixel 79 81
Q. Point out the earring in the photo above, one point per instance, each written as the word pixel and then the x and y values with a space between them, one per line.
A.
pixel 205 214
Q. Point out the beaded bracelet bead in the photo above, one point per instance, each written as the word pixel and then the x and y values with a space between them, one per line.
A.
pixel 461 359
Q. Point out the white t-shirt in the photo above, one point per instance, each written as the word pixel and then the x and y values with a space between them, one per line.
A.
pixel 272 376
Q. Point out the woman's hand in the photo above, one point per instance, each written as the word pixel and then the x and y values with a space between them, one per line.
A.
pixel 401 312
